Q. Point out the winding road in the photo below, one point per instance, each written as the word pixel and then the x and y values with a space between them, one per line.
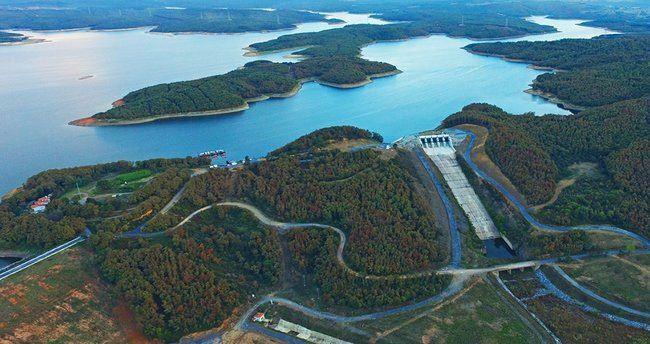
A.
pixel 524 211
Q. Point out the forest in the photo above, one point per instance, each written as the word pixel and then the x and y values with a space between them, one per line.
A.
pixel 593 72
pixel 196 276
pixel 232 90
pixel 349 40
pixel 313 251
pixel 391 228
pixel 65 219
pixel 322 137
pixel 211 20
pixel 534 152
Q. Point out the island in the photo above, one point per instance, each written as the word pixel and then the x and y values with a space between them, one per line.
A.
pixel 232 92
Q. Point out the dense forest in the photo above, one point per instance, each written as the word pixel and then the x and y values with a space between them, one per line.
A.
pixel 390 227
pixel 195 278
pixel 595 72
pixel 536 151
pixel 349 40
pixel 232 90
pixel 162 19
pixel 322 137
pixel 313 252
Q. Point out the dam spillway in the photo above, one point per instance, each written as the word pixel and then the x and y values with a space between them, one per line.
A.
pixel 440 149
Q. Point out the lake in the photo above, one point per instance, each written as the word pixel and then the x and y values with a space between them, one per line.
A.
pixel 44 86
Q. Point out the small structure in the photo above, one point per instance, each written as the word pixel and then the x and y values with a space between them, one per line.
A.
pixel 39 205
pixel 306 334
pixel 260 318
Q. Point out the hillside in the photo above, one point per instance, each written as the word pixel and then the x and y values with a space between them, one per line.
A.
pixel 593 72
pixel 535 152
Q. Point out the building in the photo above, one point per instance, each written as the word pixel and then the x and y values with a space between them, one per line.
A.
pixel 259 317
pixel 39 205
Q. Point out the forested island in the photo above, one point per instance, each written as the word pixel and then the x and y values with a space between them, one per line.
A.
pixel 592 72
pixel 161 19
pixel 350 39
pixel 233 91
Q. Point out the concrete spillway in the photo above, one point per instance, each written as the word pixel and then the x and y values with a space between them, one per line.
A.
pixel 440 150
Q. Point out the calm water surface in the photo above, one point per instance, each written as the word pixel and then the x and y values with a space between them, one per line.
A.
pixel 41 91
pixel 7 261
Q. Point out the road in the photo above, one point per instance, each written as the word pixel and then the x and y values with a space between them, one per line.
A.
pixel 598 297
pixel 41 257
pixel 524 211
pixel 566 298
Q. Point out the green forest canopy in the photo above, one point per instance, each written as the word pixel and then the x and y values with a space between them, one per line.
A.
pixel 162 19
pixel 598 71
pixel 535 151
pixel 232 90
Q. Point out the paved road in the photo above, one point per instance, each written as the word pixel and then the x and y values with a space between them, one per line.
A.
pixel 41 257
pixel 598 297
pixel 524 211
pixel 564 297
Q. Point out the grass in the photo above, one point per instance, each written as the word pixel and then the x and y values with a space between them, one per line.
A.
pixel 122 183
pixel 572 325
pixel 58 300
pixel 478 316
pixel 618 279
pixel 133 176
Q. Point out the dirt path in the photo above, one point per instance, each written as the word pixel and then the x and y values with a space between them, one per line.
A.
pixel 561 185
pixel 383 334
pixel 641 268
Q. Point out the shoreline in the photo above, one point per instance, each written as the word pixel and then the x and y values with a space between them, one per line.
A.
pixel 531 64
pixel 555 100
pixel 94 122
pixel 27 41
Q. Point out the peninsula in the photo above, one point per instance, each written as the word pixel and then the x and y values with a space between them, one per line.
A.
pixel 232 92
pixel 589 72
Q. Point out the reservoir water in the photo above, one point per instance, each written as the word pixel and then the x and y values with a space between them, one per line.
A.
pixel 44 86
pixel 7 261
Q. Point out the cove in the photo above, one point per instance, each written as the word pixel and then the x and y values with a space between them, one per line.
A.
pixel 79 73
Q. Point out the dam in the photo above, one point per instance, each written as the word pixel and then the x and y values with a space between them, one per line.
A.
pixel 440 149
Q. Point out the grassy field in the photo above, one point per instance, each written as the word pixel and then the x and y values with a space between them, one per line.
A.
pixel 58 300
pixel 620 279
pixel 479 316
pixel 122 183
pixel 566 321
